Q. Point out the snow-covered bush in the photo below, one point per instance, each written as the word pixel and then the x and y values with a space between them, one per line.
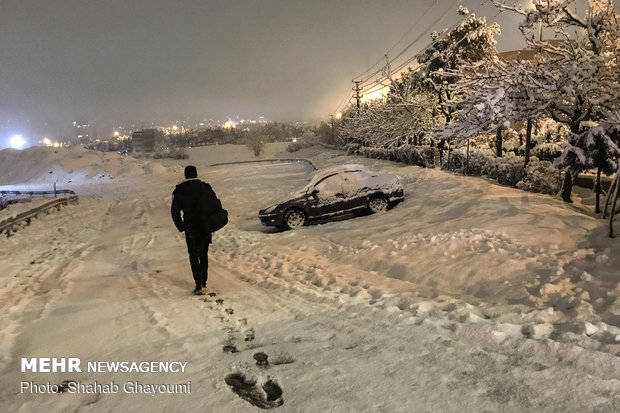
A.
pixel 456 160
pixel 548 151
pixel 510 169
pixel 351 148
pixel 374 153
pixel 307 139
pixel 511 141
pixel 541 176
pixel 507 170
pixel 417 155
pixel 425 156
pixel 295 146
pixel 549 131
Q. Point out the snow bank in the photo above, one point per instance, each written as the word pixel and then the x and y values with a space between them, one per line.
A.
pixel 468 296
pixel 74 165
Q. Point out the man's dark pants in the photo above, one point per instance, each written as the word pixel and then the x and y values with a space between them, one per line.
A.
pixel 198 248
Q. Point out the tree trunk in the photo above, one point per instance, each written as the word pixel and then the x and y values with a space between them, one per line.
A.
pixel 498 142
pixel 613 210
pixel 597 190
pixel 567 186
pixel 612 190
pixel 467 160
pixel 528 139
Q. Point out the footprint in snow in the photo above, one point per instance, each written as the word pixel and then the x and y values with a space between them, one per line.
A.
pixel 247 389
pixel 64 386
pixel 230 349
pixel 261 359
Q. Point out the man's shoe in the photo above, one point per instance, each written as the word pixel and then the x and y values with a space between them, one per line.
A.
pixel 198 290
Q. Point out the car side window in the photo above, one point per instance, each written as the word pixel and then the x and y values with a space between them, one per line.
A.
pixel 328 187
pixel 353 182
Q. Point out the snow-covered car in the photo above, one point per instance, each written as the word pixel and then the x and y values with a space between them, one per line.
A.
pixel 334 191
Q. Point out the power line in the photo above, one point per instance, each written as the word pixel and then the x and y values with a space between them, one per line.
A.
pixel 377 84
pixel 414 57
pixel 344 99
pixel 411 28
pixel 400 40
pixel 403 65
pixel 428 28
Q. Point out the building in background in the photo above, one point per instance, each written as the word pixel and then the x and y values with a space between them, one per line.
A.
pixel 147 140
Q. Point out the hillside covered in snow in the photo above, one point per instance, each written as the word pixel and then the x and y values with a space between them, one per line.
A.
pixel 467 296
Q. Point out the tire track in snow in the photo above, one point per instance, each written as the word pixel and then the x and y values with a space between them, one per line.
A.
pixel 50 249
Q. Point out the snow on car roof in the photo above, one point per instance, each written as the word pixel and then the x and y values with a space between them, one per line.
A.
pixel 322 173
pixel 340 168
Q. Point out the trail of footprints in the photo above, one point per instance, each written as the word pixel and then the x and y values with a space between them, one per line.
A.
pixel 263 392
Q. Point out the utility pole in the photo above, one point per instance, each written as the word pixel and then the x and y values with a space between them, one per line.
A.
pixel 357 90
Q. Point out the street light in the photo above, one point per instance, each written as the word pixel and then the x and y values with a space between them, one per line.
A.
pixel 17 142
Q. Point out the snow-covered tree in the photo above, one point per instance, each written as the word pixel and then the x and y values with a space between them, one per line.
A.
pixel 579 72
pixel 472 40
pixel 496 93
pixel 388 125
pixel 414 93
pixel 595 148
pixel 416 104
pixel 602 150
pixel 491 95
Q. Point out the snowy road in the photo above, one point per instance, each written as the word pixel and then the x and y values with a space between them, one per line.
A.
pixel 468 296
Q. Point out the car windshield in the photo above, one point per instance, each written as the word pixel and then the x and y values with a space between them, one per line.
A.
pixel 324 174
pixel 309 185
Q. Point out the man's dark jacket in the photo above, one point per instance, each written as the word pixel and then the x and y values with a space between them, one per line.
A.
pixel 190 196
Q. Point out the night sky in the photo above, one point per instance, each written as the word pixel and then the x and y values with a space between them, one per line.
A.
pixel 119 61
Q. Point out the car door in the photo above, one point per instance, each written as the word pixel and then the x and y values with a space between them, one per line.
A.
pixel 326 196
pixel 354 189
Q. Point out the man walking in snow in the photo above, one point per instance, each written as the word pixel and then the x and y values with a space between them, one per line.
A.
pixel 192 197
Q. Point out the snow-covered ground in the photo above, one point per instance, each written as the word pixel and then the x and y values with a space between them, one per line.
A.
pixel 466 297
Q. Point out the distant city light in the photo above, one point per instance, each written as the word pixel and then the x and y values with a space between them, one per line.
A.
pixel 50 143
pixel 116 133
pixel 175 127
pixel 17 142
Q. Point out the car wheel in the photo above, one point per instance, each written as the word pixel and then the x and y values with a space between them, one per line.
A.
pixel 295 218
pixel 377 203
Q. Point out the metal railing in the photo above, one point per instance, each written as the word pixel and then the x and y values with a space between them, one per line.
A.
pixel 39 193
pixel 289 160
pixel 8 225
